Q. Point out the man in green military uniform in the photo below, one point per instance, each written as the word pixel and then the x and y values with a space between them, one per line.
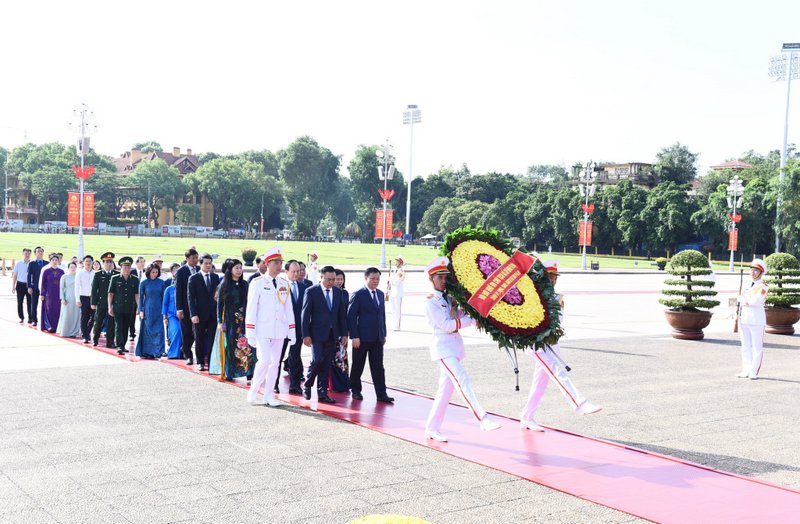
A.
pixel 100 284
pixel 123 294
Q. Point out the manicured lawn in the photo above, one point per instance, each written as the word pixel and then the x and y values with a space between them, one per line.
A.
pixel 172 248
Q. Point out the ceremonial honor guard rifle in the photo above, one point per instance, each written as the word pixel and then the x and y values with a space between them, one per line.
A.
pixel 738 305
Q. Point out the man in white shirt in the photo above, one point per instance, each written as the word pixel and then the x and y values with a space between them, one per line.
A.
pixel 19 285
pixel 83 296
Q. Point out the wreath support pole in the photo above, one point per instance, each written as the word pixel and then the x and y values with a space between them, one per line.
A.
pixel 514 364
pixel 558 357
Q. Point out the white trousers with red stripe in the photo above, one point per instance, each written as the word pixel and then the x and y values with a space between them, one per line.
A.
pixel 752 348
pixel 452 375
pixel 548 368
pixel 268 351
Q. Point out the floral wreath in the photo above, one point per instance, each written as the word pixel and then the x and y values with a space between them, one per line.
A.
pixel 527 316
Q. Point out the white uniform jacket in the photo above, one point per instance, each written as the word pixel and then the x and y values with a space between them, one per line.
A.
pixel 269 310
pixel 446 319
pixel 752 302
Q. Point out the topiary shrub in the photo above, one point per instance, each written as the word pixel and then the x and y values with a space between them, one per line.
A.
pixel 690 291
pixel 248 255
pixel 783 278
pixel 661 262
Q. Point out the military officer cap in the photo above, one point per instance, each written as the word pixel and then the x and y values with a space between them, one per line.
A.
pixel 272 254
pixel 314 254
pixel 157 258
pixel 108 255
pixel 400 258
pixel 438 265
pixel 551 266
pixel 759 264
pixel 125 261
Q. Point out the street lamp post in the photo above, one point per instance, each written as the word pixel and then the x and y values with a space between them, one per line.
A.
pixel 587 187
pixel 386 170
pixel 735 191
pixel 412 115
pixel 85 116
pixel 784 68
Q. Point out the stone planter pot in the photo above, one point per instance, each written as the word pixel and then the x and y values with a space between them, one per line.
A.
pixel 248 257
pixel 688 325
pixel 781 320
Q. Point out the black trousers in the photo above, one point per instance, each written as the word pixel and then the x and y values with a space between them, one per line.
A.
pixel 121 326
pixel 187 336
pixel 34 305
pixel 101 314
pixel 132 327
pixel 23 296
pixel 204 333
pixel 295 362
pixel 373 351
pixel 321 361
pixel 87 317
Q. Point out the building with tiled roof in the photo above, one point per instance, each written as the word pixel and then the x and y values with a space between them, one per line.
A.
pixel 733 164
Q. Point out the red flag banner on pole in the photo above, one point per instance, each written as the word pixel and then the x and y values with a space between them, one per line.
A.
pixel 585 228
pixel 83 172
pixel 733 240
pixel 88 209
pixel 500 282
pixel 73 209
pixel 379 232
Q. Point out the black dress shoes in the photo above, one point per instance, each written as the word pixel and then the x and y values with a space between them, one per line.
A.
pixel 358 396
pixel 203 368
pixel 120 352
pixel 295 391
pixel 277 390
pixel 386 398
pixel 190 362
pixel 325 398
pixel 307 393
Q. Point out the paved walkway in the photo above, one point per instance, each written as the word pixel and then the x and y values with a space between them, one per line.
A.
pixel 111 441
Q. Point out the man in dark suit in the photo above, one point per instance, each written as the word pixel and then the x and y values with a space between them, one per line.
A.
pixel 366 320
pixel 181 302
pixel 324 319
pixel 261 265
pixel 202 289
pixel 34 272
pixel 295 362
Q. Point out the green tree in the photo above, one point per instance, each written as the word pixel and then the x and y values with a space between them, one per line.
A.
pixel 676 163
pixel 507 215
pixel 424 192
pixel 666 216
pixel 188 214
pixel 109 199
pixel 486 188
pixel 430 220
pixel 265 158
pixel 547 173
pixel 310 172
pixel 149 146
pixel 159 182
pixel 236 188
pixel 469 213
pixel 45 170
pixel 623 204
pixel 537 230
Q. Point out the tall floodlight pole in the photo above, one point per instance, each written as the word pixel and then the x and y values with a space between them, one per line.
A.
pixel 587 176
pixel 386 170
pixel 5 193
pixel 84 116
pixel 735 191
pixel 785 66
pixel 412 115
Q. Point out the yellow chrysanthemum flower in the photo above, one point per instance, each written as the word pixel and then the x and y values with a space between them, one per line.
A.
pixel 464 258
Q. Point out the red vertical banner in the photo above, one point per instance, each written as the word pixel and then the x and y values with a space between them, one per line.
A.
pixel 88 209
pixel 733 240
pixel 73 209
pixel 585 229
pixel 379 230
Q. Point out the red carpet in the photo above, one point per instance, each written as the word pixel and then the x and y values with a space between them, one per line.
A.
pixel 641 483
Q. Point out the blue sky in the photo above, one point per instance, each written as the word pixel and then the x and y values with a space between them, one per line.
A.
pixel 501 85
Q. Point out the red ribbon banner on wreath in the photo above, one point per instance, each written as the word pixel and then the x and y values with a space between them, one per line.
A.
pixel 735 218
pixel 386 194
pixel 500 282
pixel 83 172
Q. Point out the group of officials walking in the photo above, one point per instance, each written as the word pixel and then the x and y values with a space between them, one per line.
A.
pixel 279 309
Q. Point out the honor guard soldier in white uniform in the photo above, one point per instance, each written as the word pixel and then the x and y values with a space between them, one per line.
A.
pixel 549 366
pixel 269 320
pixel 447 348
pixel 752 320
pixel 397 282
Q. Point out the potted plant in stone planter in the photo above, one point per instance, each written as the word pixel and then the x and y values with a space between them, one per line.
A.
pixel 661 262
pixel 783 279
pixel 248 255
pixel 688 295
